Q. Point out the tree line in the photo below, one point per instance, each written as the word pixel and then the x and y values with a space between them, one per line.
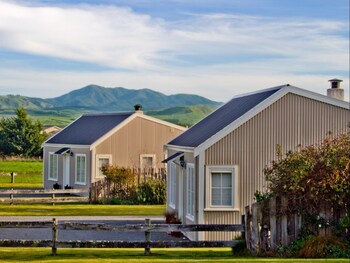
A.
pixel 21 136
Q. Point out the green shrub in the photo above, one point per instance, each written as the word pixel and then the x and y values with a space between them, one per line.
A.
pixel 324 247
pixel 151 192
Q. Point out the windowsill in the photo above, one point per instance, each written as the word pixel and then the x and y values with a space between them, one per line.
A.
pixel 221 209
pixel 77 183
pixel 190 218
pixel 172 206
pixel 52 179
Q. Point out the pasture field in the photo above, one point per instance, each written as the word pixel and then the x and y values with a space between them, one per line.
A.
pixel 28 174
pixel 80 209
pixel 172 255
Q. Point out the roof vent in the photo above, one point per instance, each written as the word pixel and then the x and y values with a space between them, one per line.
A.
pixel 335 91
pixel 138 107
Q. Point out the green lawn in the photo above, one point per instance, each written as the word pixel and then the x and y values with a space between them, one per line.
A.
pixel 80 210
pixel 28 174
pixel 21 167
pixel 22 181
pixel 137 255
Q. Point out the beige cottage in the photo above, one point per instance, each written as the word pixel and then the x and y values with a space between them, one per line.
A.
pixel 74 156
pixel 216 166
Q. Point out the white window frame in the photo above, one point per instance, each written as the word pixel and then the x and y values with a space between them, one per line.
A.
pixel 76 169
pixel 98 157
pixel 148 155
pixel 190 191
pixel 233 169
pixel 172 185
pixel 50 177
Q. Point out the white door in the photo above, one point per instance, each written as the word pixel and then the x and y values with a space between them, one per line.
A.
pixel 66 168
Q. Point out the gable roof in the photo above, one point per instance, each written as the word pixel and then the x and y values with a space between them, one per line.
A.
pixel 234 113
pixel 220 118
pixel 88 128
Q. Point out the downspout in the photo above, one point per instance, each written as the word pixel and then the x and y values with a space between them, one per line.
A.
pixel 201 193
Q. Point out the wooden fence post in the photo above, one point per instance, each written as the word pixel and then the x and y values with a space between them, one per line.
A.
pixel 147 237
pixel 54 237
pixel 284 221
pixel 11 196
pixel 273 234
pixel 255 228
pixel 248 229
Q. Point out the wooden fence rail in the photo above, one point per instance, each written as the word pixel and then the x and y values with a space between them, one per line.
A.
pixel 44 196
pixel 147 228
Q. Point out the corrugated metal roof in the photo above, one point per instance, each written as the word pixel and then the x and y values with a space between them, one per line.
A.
pixel 221 118
pixel 88 128
pixel 172 157
pixel 63 150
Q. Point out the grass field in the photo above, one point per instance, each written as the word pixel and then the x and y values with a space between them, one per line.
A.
pixel 28 174
pixel 22 181
pixel 137 255
pixel 80 210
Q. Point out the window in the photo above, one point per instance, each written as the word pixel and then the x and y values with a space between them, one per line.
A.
pixel 190 182
pixel 101 161
pixel 222 187
pixel 53 166
pixel 147 161
pixel 172 184
pixel 80 169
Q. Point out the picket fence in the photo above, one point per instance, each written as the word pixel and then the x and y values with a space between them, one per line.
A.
pixel 103 189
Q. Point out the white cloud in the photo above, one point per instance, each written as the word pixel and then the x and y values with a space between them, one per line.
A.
pixel 214 55
pixel 104 35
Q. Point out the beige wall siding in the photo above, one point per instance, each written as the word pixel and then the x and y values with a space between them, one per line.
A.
pixel 291 121
pixel 221 218
pixel 139 136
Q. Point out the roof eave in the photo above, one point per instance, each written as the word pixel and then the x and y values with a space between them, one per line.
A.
pixel 263 105
pixel 65 145
pixel 179 148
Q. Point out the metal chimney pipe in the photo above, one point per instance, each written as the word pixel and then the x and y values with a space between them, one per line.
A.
pixel 335 91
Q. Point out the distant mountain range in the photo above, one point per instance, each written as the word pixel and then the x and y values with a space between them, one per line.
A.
pixel 180 108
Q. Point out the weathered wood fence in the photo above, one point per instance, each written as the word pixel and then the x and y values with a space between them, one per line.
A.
pixel 44 196
pixel 147 228
pixel 103 189
pixel 270 224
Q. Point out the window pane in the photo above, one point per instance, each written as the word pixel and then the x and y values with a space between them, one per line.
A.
pixel 215 197
pixel 147 162
pixel 216 180
pixel 221 189
pixel 102 162
pixel 53 166
pixel 227 197
pixel 226 180
pixel 81 169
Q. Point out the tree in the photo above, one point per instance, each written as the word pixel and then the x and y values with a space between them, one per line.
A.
pixel 314 174
pixel 21 136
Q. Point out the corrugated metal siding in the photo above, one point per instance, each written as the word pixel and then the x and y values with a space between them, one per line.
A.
pixel 291 121
pixel 221 218
pixel 140 136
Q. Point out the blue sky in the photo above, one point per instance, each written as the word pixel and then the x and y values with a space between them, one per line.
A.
pixel 213 48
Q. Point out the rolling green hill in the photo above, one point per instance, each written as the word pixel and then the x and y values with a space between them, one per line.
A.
pixel 186 116
pixel 185 109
